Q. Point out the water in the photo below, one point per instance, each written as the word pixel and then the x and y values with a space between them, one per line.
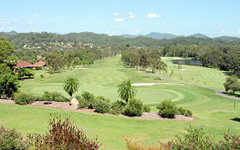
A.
pixel 187 62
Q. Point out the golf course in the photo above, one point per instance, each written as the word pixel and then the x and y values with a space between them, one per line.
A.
pixel 213 112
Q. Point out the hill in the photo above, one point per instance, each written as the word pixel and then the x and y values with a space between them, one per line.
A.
pixel 199 35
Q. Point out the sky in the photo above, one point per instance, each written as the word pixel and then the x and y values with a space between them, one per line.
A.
pixel 115 17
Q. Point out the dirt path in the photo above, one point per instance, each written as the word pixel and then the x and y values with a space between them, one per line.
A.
pixel 65 106
pixel 218 91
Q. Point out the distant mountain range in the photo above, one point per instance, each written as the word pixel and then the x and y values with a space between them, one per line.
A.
pixel 154 35
pixel 157 35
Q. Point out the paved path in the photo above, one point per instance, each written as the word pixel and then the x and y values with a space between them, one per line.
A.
pixel 218 91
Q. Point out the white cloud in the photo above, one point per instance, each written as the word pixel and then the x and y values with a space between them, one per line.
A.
pixel 4 22
pixel 2 28
pixel 29 23
pixel 138 30
pixel 116 14
pixel 153 15
pixel 131 16
pixel 119 19
pixel 169 32
pixel 36 15
pixel 231 32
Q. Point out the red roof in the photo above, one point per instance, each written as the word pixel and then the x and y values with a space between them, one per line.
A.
pixel 39 64
pixel 23 64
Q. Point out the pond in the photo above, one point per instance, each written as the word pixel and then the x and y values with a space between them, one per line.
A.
pixel 187 62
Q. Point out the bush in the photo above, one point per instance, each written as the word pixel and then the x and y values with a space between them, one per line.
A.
pixel 89 98
pixel 102 106
pixel 58 97
pixel 63 135
pixel 102 98
pixel 47 96
pixel 118 107
pixel 188 113
pixel 11 139
pixel 133 108
pixel 82 103
pixel 167 109
pixel 146 108
pixel 181 111
pixel 23 98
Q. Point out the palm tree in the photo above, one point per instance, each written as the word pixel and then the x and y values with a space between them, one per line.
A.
pixel 71 85
pixel 126 90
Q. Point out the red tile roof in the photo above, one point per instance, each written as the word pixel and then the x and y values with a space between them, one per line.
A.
pixel 23 64
pixel 39 64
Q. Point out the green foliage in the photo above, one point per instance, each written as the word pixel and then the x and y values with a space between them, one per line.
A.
pixel 29 73
pixel 102 106
pixel 188 113
pixel 146 108
pixel 181 111
pixel 118 107
pixel 8 84
pixel 12 140
pixel 63 135
pixel 23 98
pixel 232 84
pixel 126 90
pixel 89 97
pixel 70 85
pixel 82 103
pixel 134 108
pixel 41 76
pixel 58 97
pixel 167 109
pixel 47 96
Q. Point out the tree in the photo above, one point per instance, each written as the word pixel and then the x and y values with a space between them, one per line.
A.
pixel 161 66
pixel 71 85
pixel 126 90
pixel 8 84
pixel 230 81
pixel 29 73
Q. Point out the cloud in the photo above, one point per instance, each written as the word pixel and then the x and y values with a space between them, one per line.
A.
pixel 131 16
pixel 116 14
pixel 119 19
pixel 138 30
pixel 29 23
pixel 231 32
pixel 169 32
pixel 36 15
pixel 4 22
pixel 153 15
pixel 2 28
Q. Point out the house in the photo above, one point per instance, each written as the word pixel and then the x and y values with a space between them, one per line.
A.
pixel 39 64
pixel 23 64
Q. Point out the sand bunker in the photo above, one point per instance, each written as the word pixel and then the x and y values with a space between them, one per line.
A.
pixel 152 84
pixel 143 84
pixel 177 58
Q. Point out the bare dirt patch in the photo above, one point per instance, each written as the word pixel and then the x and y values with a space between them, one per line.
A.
pixel 65 106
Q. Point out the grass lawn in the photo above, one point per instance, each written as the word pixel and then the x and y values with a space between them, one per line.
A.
pixel 213 112
pixel 211 77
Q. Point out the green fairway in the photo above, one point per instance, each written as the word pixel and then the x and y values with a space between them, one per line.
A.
pixel 213 112
pixel 211 77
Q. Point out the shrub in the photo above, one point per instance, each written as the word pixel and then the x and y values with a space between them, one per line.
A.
pixel 102 106
pixel 11 139
pixel 146 108
pixel 47 96
pixel 167 109
pixel 63 135
pixel 134 108
pixel 102 98
pixel 82 103
pixel 118 107
pixel 58 97
pixel 89 98
pixel 188 113
pixel 181 111
pixel 23 98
